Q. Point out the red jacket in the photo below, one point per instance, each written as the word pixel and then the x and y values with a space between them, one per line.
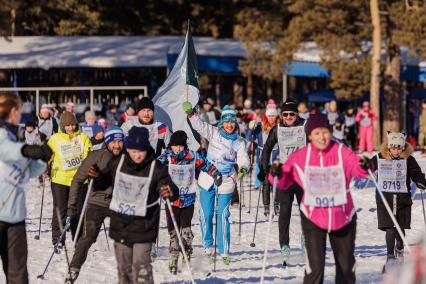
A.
pixel 328 218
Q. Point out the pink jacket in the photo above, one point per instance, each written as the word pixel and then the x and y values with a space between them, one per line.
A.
pixel 370 114
pixel 328 218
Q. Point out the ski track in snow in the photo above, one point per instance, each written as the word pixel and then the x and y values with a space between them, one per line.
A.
pixel 246 265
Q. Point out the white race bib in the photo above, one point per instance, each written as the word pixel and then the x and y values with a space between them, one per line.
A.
pixel 183 177
pixel 324 186
pixel 88 131
pixel 392 175
pixel 71 154
pixel 289 140
pixel 130 193
pixel 366 120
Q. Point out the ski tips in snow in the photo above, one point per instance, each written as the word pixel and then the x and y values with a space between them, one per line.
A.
pixel 37 237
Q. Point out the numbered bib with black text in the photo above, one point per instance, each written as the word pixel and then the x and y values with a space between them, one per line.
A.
pixel 289 140
pixel 183 177
pixel 392 175
pixel 71 154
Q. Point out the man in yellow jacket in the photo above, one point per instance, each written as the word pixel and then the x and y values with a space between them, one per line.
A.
pixel 70 147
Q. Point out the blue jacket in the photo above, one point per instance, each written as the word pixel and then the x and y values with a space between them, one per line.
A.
pixel 257 135
pixel 15 169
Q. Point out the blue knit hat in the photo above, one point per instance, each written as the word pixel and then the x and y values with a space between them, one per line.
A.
pixel 137 139
pixel 114 133
pixel 228 114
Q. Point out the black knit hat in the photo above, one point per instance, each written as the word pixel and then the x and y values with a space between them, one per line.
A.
pixel 145 102
pixel 179 138
pixel 289 105
pixel 138 139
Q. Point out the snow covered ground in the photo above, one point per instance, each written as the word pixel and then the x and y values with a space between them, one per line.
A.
pixel 246 264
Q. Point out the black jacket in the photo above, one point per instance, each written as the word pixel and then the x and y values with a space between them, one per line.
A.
pixel 272 140
pixel 128 229
pixel 403 200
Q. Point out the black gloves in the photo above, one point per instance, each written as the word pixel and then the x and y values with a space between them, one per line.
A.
pixel 261 175
pixel 365 163
pixel 217 179
pixel 37 152
pixel 421 186
pixel 71 212
pixel 276 169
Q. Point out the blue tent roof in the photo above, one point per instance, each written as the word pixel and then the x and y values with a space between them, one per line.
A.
pixel 419 94
pixel 321 96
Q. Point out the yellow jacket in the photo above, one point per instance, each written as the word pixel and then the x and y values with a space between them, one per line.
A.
pixel 69 151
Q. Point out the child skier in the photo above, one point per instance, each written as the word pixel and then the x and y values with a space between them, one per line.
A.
pixel 226 148
pixel 396 168
pixel 324 169
pixel 182 164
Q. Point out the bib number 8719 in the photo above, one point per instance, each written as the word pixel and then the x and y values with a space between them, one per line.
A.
pixel 324 201
pixel 391 185
pixel 127 209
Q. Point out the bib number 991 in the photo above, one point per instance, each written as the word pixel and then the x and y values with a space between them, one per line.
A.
pixel 127 209
pixel 324 201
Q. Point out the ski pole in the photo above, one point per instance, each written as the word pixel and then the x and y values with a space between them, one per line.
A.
pixel 216 209
pixel 83 211
pixel 422 187
pixel 255 219
pixel 398 228
pixel 239 222
pixel 265 254
pixel 106 236
pixel 37 237
pixel 250 180
pixel 67 225
pixel 172 215
pixel 61 228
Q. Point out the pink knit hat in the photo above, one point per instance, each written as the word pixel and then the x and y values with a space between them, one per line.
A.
pixel 271 109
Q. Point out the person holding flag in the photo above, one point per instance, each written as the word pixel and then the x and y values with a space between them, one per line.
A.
pixel 290 136
pixel 182 164
pixel 395 169
pixel 324 169
pixel 226 149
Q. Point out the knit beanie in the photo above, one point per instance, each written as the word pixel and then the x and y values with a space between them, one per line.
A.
pixel 228 114
pixel 179 138
pixel 396 139
pixel 143 103
pixel 67 118
pixel 114 133
pixel 289 105
pixel 316 121
pixel 138 139
pixel 271 109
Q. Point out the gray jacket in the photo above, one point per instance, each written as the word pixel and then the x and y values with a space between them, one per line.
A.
pixel 101 198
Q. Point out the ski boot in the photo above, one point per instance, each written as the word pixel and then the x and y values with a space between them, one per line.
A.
pixel 399 254
pixel 266 211
pixel 72 276
pixel 226 260
pixel 208 252
pixel 154 252
pixel 276 209
pixel 188 255
pixel 390 263
pixel 173 263
pixel 59 248
pixel 285 251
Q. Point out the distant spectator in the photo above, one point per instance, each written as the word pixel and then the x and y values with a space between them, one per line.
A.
pixel 332 113
pixel 247 107
pixel 303 110
pixel 130 112
pixel 47 124
pixel 422 126
pixel 350 126
pixel 339 131
pixel 69 107
pixel 365 117
pixel 111 116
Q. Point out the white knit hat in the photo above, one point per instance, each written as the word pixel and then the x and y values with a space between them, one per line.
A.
pixel 271 109
pixel 396 139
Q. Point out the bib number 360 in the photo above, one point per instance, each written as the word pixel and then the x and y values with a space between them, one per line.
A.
pixel 74 162
pixel 127 209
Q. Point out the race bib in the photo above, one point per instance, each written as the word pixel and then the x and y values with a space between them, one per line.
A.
pixel 366 120
pixel 70 154
pixel 88 131
pixel 392 176
pixel 325 187
pixel 290 139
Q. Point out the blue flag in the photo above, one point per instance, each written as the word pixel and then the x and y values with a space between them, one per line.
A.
pixel 180 86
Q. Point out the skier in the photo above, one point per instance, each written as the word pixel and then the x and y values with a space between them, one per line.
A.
pixel 365 117
pixel 138 180
pixel 129 113
pixel 350 126
pixel 70 147
pixel 46 123
pixel 94 131
pixel 339 131
pixel 159 134
pixel 226 149
pixel 324 169
pixel 98 203
pixel 32 135
pixel 18 163
pixel 290 136
pixel 395 169
pixel 258 135
pixel 182 164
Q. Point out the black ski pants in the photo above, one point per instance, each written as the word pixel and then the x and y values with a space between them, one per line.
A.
pixel 286 198
pixel 14 252
pixel 93 220
pixel 60 195
pixel 343 245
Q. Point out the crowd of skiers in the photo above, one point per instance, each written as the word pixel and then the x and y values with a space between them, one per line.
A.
pixel 123 170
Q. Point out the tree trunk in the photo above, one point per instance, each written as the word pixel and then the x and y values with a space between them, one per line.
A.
pixel 393 91
pixel 250 87
pixel 269 91
pixel 375 70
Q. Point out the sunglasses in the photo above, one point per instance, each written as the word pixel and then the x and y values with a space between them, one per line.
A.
pixel 292 114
